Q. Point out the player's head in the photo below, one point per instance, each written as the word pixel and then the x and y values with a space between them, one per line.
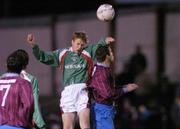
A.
pixel 79 40
pixel 104 53
pixel 24 57
pixel 14 64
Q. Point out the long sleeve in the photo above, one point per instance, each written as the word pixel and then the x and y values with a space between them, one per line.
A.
pixel 49 58
pixel 37 116
pixel 91 48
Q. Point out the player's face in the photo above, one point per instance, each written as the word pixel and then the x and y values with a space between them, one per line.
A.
pixel 78 44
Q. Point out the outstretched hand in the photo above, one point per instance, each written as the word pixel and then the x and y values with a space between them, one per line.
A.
pixel 31 39
pixel 131 87
pixel 109 40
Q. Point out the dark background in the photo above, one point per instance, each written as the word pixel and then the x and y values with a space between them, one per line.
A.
pixel 20 8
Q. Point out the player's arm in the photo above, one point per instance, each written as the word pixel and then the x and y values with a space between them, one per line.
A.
pixel 119 91
pixel 37 117
pixel 50 58
pixel 109 40
pixel 102 42
pixel 31 40
pixel 130 87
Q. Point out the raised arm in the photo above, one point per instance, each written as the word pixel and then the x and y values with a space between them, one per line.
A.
pixel 49 58
pixel 31 40
pixel 109 40
pixel 102 42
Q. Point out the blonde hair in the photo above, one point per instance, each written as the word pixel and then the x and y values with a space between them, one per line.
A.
pixel 80 34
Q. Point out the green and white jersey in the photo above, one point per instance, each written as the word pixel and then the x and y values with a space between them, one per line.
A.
pixel 76 68
pixel 37 116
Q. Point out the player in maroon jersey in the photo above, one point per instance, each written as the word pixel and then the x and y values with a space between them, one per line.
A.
pixel 103 90
pixel 16 98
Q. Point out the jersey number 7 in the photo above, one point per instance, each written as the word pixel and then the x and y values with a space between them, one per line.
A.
pixel 6 88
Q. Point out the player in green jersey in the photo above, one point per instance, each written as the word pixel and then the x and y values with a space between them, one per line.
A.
pixel 37 116
pixel 76 63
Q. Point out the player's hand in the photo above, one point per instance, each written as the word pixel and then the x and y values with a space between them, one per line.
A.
pixel 31 39
pixel 132 87
pixel 109 40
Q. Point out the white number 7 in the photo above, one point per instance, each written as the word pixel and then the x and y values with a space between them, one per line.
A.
pixel 6 87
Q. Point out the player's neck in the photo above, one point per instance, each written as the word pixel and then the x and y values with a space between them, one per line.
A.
pixel 107 62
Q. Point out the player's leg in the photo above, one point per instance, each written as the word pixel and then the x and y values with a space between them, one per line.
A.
pixel 84 118
pixel 83 107
pixel 104 116
pixel 68 110
pixel 68 120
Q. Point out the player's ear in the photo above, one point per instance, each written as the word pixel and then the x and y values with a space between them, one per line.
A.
pixel 72 41
pixel 107 56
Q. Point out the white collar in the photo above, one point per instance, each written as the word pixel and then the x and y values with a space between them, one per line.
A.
pixel 10 75
pixel 102 64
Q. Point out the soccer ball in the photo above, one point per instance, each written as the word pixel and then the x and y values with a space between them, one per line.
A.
pixel 105 12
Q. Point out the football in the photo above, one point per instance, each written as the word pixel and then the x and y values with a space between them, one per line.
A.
pixel 105 12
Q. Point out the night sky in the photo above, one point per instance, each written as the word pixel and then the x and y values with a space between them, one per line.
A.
pixel 21 8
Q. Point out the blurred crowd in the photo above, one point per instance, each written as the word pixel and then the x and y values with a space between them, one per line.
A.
pixel 155 105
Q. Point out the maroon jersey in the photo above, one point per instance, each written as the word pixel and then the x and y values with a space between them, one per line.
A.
pixel 102 85
pixel 16 101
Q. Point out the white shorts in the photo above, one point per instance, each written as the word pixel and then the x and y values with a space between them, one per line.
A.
pixel 74 98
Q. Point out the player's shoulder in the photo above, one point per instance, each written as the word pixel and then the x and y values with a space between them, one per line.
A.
pixel 31 76
pixel 7 79
pixel 62 50
pixel 28 76
pixel 89 47
pixel 22 81
pixel 12 78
